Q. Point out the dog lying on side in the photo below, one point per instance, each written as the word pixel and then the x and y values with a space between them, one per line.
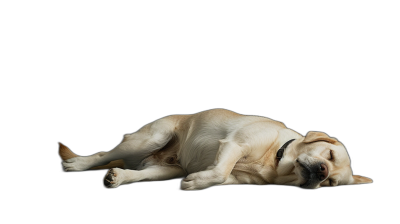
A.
pixel 221 147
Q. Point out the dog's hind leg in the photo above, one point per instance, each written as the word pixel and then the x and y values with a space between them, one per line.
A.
pixel 116 176
pixel 134 147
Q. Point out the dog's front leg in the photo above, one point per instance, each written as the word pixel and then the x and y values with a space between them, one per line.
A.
pixel 229 153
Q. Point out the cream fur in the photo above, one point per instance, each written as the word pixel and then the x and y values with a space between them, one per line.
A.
pixel 220 147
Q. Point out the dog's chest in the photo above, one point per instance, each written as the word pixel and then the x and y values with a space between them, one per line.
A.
pixel 253 173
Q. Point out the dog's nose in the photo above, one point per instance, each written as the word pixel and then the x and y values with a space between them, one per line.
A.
pixel 323 172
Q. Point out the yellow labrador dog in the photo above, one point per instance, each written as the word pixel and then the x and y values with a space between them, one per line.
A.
pixel 221 147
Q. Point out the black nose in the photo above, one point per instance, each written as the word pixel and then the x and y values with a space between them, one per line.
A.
pixel 323 172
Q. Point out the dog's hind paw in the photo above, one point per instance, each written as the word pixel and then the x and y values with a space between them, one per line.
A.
pixel 113 178
pixel 75 164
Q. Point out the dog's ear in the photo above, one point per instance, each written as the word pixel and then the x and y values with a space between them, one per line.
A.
pixel 315 136
pixel 361 180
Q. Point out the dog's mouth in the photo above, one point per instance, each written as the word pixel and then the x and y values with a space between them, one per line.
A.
pixel 308 173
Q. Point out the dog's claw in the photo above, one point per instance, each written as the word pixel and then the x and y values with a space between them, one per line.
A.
pixel 110 179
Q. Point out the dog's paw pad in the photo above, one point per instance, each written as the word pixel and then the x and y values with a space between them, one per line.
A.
pixel 111 178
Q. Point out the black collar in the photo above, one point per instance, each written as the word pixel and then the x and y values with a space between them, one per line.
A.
pixel 279 154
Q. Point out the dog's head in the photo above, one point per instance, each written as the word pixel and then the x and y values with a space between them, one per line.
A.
pixel 317 160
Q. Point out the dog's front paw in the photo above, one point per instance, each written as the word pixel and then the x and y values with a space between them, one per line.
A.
pixel 113 178
pixel 201 180
pixel 188 184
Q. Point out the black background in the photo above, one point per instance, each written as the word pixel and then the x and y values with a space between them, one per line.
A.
pixel 110 79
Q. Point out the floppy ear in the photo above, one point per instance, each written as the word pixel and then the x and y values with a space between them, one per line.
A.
pixel 315 136
pixel 361 180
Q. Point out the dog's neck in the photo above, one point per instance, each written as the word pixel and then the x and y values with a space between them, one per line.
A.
pixel 285 141
pixel 280 152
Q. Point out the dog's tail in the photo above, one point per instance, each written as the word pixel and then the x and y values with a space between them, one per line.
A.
pixel 66 153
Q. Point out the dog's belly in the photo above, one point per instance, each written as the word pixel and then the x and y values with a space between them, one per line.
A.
pixel 199 151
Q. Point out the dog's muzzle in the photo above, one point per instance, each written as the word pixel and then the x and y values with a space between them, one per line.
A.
pixel 313 173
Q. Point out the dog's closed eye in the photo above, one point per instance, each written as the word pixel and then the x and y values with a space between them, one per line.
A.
pixel 331 154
